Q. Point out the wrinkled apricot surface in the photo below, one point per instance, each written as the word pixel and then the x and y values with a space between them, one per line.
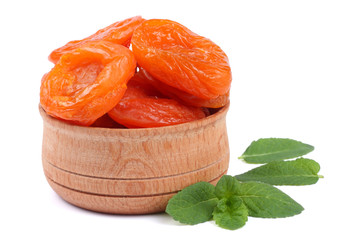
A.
pixel 184 97
pixel 182 59
pixel 87 82
pixel 142 106
pixel 118 32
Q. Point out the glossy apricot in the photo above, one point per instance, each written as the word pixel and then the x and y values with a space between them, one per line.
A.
pixel 139 87
pixel 87 82
pixel 118 32
pixel 181 58
pixel 184 97
pixel 142 107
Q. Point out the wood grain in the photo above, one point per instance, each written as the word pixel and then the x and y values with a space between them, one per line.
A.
pixel 132 187
pixel 144 153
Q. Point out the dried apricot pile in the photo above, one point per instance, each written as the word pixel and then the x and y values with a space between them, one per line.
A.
pixel 170 76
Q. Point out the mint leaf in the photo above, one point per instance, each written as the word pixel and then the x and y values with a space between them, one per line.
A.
pixel 230 213
pixel 301 171
pixel 194 204
pixel 267 150
pixel 226 187
pixel 265 201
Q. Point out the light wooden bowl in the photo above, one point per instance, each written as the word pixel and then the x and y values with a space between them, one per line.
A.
pixel 132 171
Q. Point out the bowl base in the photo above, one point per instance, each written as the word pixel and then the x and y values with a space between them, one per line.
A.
pixel 116 204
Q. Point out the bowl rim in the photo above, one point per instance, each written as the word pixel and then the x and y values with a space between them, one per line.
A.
pixel 221 113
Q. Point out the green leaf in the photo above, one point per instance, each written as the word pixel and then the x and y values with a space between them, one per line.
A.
pixel 226 187
pixel 265 201
pixel 194 204
pixel 230 213
pixel 267 150
pixel 301 171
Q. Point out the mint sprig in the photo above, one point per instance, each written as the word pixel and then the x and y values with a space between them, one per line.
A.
pixel 194 204
pixel 267 150
pixel 227 187
pixel 230 213
pixel 265 201
pixel 301 171
pixel 252 194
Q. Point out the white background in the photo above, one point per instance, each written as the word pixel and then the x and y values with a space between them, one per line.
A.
pixel 287 61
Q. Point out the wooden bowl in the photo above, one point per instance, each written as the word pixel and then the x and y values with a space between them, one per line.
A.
pixel 132 171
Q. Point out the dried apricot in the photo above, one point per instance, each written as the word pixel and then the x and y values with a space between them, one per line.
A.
pixel 118 32
pixel 106 122
pixel 87 82
pixel 182 59
pixel 139 87
pixel 140 107
pixel 184 97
